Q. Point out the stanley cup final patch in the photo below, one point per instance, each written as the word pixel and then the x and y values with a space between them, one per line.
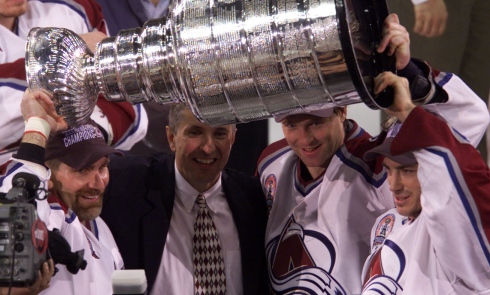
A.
pixel 383 229
pixel 271 188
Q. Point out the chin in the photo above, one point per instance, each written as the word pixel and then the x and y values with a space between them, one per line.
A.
pixel 88 214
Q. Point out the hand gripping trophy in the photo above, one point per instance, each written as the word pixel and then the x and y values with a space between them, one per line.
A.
pixel 230 61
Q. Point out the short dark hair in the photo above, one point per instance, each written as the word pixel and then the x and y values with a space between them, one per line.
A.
pixel 174 116
pixel 53 164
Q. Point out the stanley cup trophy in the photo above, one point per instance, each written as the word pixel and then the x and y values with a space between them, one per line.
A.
pixel 230 61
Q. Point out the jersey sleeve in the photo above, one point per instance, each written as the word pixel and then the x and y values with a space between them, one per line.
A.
pixel 455 184
pixel 464 110
pixel 93 12
pixel 124 124
pixel 12 87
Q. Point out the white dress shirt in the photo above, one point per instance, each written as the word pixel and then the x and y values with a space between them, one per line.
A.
pixel 175 276
pixel 158 11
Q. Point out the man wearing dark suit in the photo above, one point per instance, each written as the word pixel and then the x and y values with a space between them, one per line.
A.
pixel 149 205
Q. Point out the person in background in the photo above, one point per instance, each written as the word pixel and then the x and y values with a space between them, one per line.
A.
pixel 128 14
pixel 437 240
pixel 324 197
pixel 73 163
pixel 461 48
pixel 430 17
pixel 83 17
pixel 154 206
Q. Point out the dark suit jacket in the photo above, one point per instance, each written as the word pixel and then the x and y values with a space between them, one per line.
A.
pixel 138 207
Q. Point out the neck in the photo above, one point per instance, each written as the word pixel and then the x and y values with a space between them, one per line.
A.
pixel 8 22
pixel 86 223
pixel 414 216
pixel 310 173
pixel 202 187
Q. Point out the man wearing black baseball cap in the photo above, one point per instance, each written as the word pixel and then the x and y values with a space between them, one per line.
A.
pixel 78 159
pixel 74 162
pixel 436 240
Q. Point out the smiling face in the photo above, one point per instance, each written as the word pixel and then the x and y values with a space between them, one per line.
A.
pixel 81 190
pixel 405 187
pixel 315 139
pixel 201 151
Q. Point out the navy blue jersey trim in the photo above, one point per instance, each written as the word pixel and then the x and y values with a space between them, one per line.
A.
pixel 464 199
pixel 358 168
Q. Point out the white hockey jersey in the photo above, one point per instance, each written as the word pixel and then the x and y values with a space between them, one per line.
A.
pixel 446 249
pixel 50 13
pixel 100 249
pixel 318 234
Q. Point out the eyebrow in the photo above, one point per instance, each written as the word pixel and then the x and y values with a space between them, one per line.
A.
pixel 222 128
pixel 400 166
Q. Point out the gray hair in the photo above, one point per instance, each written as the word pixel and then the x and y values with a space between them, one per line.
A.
pixel 175 116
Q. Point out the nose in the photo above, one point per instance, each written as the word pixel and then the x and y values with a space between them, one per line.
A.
pixel 395 182
pixel 305 136
pixel 98 180
pixel 207 144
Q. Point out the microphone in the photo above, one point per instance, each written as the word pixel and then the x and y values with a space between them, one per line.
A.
pixel 129 281
pixel 24 187
pixel 28 181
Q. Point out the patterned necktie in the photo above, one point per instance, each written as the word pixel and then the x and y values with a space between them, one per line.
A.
pixel 209 266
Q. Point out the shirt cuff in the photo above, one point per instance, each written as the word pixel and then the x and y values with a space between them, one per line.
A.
pixel 30 152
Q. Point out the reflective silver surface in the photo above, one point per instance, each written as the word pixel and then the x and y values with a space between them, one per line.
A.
pixel 230 61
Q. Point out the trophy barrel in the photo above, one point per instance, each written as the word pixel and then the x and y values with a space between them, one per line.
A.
pixel 230 61
pixel 247 60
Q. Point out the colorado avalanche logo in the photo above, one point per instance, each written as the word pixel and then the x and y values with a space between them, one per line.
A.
pixel 271 187
pixel 383 280
pixel 382 285
pixel 293 270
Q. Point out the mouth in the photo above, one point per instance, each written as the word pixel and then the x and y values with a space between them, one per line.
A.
pixel 309 149
pixel 91 197
pixel 401 199
pixel 205 161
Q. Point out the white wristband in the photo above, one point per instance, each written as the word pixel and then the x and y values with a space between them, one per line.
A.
pixel 39 125
pixel 417 2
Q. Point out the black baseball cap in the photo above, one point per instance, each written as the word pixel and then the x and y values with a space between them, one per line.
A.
pixel 384 149
pixel 79 147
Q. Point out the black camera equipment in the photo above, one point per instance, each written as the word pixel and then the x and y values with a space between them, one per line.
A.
pixel 25 242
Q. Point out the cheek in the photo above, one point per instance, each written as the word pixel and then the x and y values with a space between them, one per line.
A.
pixel 224 148
pixel 290 136
pixel 337 132
pixel 65 181
pixel 104 176
pixel 69 188
pixel 189 145
pixel 414 184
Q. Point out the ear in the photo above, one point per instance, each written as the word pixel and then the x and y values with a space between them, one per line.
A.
pixel 343 114
pixel 233 135
pixel 170 138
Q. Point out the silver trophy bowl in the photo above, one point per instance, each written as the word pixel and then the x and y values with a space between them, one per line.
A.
pixel 230 61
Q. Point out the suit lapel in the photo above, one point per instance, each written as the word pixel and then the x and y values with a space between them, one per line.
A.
pixel 138 10
pixel 243 215
pixel 156 223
